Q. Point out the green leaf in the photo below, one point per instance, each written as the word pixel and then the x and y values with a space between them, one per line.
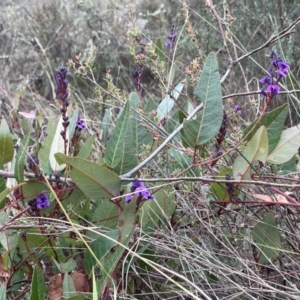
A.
pixel 6 143
pixel 134 100
pixel 73 123
pixel 150 105
pixel 159 50
pixel 38 286
pixel 181 161
pixel 101 248
pixel 58 145
pixel 140 135
pixel 2 292
pixel 273 121
pixel 256 149
pixel 44 152
pixel 20 157
pixel 66 267
pixel 68 286
pixel 168 102
pixel 3 196
pixel 94 180
pixel 208 89
pixel 106 215
pixel 115 146
pixel 287 146
pixel 220 189
pixel 159 209
pixel 127 221
pixel 32 188
pixel 86 149
pixel 266 236
pixel 128 149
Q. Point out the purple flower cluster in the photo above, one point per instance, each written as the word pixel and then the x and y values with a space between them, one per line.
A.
pixel 278 70
pixel 62 85
pixel 33 162
pixel 171 38
pixel 142 191
pixel 80 124
pixel 237 109
pixel 40 202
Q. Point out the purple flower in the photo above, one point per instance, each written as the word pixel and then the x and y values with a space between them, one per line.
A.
pixel 128 198
pixel 42 201
pixel 136 184
pixel 237 108
pixel 80 124
pixel 142 191
pixel 283 65
pixel 266 80
pixel 171 38
pixel 273 89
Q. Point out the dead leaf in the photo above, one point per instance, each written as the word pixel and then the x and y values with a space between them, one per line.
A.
pixel 55 290
pixel 274 198
pixel 81 282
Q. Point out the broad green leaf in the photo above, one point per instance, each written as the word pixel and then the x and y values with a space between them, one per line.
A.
pixel 287 146
pixel 284 169
pixel 6 143
pixel 256 149
pixel 139 133
pixel 273 121
pixel 58 145
pixel 207 125
pixel 174 68
pixel 68 286
pixel 73 123
pixel 2 179
pixel 44 152
pixel 150 105
pixel 20 157
pixel 220 189
pixel 3 196
pixel 115 147
pixel 73 200
pixel 2 292
pixel 38 286
pixel 94 180
pixel 86 149
pixel 35 242
pixel 180 161
pixel 267 239
pixel 32 188
pixel 128 219
pixel 9 242
pixel 16 280
pixel 160 208
pixel 106 215
pixel 66 267
pixel 106 122
pixel 168 102
pixel 101 248
pixel 134 100
pixel 159 50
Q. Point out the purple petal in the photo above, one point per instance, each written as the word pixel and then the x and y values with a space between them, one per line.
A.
pixel 128 198
pixel 283 65
pixel 281 73
pixel 266 80
pixel 273 89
